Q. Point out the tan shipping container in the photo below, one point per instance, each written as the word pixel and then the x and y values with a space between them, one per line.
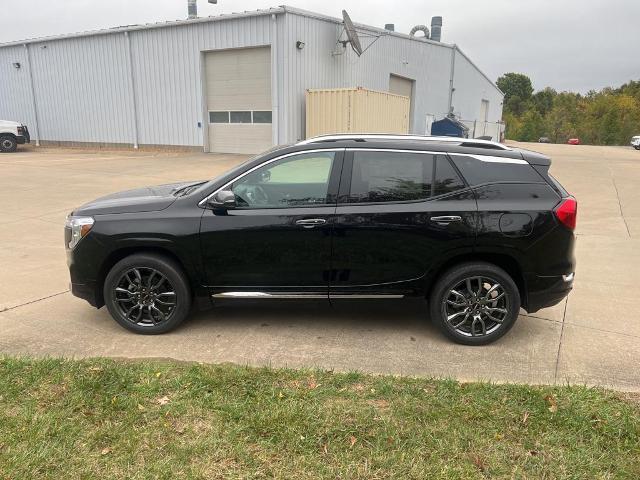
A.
pixel 356 110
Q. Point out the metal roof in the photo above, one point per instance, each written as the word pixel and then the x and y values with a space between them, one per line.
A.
pixel 217 18
pixel 148 26
pixel 231 16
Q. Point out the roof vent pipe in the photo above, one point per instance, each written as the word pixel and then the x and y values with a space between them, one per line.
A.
pixel 192 9
pixel 436 28
pixel 390 26
pixel 420 28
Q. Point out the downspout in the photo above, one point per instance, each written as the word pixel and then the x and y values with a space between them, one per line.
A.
pixel 33 96
pixel 454 49
pixel 132 89
pixel 275 134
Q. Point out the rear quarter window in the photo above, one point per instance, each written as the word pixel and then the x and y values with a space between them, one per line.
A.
pixel 478 172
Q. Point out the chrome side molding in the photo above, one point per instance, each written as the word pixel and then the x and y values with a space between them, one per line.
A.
pixel 356 296
pixel 301 295
pixel 267 295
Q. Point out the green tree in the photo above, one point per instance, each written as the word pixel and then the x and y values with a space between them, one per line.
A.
pixel 543 100
pixel 610 116
pixel 515 85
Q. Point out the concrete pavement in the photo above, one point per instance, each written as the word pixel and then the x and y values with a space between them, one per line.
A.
pixel 592 338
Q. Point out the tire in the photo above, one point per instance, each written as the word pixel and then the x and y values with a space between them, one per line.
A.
pixel 492 282
pixel 637 147
pixel 139 306
pixel 8 144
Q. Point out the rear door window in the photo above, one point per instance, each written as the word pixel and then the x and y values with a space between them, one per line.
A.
pixel 390 177
pixel 446 179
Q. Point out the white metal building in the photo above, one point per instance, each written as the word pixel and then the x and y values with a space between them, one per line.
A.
pixel 231 83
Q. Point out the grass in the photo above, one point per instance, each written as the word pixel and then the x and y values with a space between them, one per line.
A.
pixel 116 420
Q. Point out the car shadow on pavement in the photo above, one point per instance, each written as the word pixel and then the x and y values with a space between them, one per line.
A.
pixel 368 315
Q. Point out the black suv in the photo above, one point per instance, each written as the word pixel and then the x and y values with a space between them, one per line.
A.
pixel 476 228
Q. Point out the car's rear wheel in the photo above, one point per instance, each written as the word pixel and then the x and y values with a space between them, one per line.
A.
pixel 475 303
pixel 8 144
pixel 637 147
pixel 147 294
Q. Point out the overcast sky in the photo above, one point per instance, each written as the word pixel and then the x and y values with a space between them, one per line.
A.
pixel 566 44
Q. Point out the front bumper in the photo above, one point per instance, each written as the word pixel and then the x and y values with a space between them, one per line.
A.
pixel 544 292
pixel 85 291
pixel 25 137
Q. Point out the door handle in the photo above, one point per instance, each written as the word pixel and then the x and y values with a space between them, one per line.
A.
pixel 311 222
pixel 446 219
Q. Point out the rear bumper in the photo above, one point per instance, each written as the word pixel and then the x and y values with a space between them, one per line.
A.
pixel 544 292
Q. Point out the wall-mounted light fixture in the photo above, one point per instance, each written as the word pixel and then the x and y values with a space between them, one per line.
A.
pixel 16 65
pixel 300 44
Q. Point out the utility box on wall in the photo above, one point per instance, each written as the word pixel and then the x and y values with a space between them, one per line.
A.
pixel 356 110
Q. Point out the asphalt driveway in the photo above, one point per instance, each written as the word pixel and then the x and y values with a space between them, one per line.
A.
pixel 592 338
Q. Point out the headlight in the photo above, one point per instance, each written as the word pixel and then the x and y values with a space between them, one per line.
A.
pixel 75 229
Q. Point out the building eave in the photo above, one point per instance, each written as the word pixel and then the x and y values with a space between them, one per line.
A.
pixel 146 26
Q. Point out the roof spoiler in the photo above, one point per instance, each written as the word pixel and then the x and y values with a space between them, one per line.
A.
pixel 535 158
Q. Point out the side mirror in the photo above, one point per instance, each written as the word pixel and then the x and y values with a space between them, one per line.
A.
pixel 224 199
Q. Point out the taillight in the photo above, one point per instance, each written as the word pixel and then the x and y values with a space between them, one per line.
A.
pixel 567 212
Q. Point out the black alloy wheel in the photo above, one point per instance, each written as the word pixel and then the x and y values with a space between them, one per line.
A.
pixel 475 303
pixel 147 294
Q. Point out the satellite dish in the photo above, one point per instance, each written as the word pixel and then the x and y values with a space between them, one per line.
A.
pixel 352 35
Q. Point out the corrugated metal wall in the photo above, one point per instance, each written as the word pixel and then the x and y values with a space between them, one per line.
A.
pixel 15 92
pixel 83 85
pixel 471 87
pixel 167 72
pixel 81 89
pixel 315 67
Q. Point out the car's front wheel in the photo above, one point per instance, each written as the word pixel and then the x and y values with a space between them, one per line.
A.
pixel 637 147
pixel 475 303
pixel 8 144
pixel 147 294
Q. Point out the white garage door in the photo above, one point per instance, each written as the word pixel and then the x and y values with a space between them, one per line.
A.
pixel 239 100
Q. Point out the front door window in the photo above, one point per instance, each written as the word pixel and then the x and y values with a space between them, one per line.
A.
pixel 299 180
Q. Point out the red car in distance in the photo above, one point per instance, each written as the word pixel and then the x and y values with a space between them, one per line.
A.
pixel 573 141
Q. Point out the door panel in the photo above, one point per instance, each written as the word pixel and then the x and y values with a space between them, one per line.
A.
pixel 267 248
pixel 388 247
pixel 279 238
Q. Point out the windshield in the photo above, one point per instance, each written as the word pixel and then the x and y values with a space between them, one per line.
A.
pixel 238 168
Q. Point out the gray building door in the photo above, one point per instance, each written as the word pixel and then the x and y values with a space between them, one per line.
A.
pixel 238 90
pixel 403 86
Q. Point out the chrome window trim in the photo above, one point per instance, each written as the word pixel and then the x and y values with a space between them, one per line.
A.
pixel 203 202
pixel 394 150
pixel 493 159
pixel 482 158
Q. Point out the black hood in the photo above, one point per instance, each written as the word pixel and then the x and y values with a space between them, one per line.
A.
pixel 147 199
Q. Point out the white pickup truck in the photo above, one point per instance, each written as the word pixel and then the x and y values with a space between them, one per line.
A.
pixel 12 134
pixel 635 142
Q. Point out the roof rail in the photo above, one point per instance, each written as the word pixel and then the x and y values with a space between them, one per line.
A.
pixel 356 137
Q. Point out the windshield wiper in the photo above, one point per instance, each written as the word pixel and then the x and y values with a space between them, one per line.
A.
pixel 186 189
